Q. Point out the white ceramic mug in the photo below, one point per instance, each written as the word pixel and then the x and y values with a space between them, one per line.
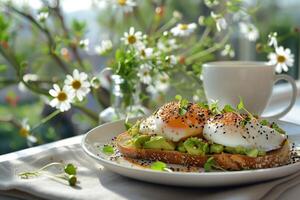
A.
pixel 225 81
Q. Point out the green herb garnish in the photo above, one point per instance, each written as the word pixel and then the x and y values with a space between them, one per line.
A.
pixel 203 105
pixel 228 108
pixel 277 128
pixel 108 149
pixel 264 122
pixel 214 107
pixel 127 124
pixel 159 166
pixel 241 106
pixel 183 104
pixel 208 166
pixel 70 169
pixel 69 175
pixel 211 164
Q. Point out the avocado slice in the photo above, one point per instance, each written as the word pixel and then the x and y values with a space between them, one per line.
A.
pixel 139 140
pixel 230 150
pixel 196 146
pixel 252 152
pixel 261 153
pixel 216 148
pixel 159 142
pixel 180 147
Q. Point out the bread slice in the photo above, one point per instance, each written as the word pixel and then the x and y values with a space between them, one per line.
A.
pixel 225 160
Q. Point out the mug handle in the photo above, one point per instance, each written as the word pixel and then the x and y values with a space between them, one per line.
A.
pixel 294 95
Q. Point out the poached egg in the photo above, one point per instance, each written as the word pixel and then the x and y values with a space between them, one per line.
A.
pixel 169 123
pixel 226 129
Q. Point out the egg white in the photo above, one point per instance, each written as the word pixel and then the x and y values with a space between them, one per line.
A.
pixel 252 135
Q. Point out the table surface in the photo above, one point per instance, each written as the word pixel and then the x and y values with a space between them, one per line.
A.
pixel 292 116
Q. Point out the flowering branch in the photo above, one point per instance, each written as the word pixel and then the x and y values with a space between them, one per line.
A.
pixel 51 43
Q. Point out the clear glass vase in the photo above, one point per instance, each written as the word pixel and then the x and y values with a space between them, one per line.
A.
pixel 118 110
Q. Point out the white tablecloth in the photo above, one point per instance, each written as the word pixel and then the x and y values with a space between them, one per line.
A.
pixel 98 183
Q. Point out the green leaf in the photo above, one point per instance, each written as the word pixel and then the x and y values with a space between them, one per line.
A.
pixel 264 122
pixel 241 105
pixel 277 128
pixel 182 111
pixel 203 105
pixel 108 149
pixel 70 169
pixel 127 124
pixel 159 166
pixel 228 108
pixel 209 164
pixel 178 97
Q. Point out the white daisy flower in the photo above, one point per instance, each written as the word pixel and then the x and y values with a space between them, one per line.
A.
pixel 106 46
pixel 25 128
pixel 144 73
pixel 211 3
pixel 132 37
pixel 125 5
pixel 281 58
pixel 228 51
pixel 25 132
pixel 78 84
pixel 42 16
pixel 84 44
pixel 62 98
pixel 31 140
pixel 145 53
pixel 161 84
pixel 172 60
pixel 220 21
pixel 272 39
pixel 249 31
pixel 183 30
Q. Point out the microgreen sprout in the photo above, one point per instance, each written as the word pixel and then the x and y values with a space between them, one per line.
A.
pixel 211 164
pixel 241 107
pixel 214 107
pixel 127 124
pixel 183 104
pixel 69 174
pixel 108 149
pixel 160 166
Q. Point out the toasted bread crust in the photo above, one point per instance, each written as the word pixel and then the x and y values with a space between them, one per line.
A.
pixel 226 161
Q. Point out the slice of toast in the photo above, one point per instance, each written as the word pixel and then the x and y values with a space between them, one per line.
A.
pixel 225 160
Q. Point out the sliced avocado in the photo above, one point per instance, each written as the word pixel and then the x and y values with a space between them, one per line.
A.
pixel 230 150
pixel 159 142
pixel 252 152
pixel 261 153
pixel 216 148
pixel 180 147
pixel 240 150
pixel 196 146
pixel 139 140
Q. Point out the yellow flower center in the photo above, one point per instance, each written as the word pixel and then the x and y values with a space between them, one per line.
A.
pixel 146 73
pixel 183 26
pixel 24 132
pixel 76 84
pixel 281 59
pixel 143 53
pixel 62 96
pixel 122 2
pixel 131 39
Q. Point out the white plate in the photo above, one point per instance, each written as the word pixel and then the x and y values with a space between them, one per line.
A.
pixel 104 133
